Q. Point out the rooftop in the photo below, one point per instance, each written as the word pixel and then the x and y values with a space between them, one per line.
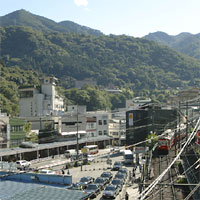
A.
pixel 19 191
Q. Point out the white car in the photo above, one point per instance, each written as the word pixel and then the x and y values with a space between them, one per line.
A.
pixel 23 163
pixel 47 171
pixel 90 158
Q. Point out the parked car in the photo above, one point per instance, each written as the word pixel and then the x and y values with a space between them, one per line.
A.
pixel 121 177
pixel 85 181
pixel 75 186
pixel 117 165
pixel 115 150
pixel 47 171
pixel 118 182
pixel 111 191
pixel 90 158
pixel 101 182
pixel 93 190
pixel 107 175
pixel 123 171
pixel 23 164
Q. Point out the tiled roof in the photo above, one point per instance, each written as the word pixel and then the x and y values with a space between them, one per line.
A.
pixel 11 190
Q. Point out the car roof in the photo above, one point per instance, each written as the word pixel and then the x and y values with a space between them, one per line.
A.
pixel 111 185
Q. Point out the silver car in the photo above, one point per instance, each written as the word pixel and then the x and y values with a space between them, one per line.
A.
pixel 111 191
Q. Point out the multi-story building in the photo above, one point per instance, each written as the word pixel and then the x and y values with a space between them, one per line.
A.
pixel 41 101
pixel 141 122
pixel 102 122
pixel 91 127
pixel 74 121
pixel 4 130
pixel 17 132
pixel 12 131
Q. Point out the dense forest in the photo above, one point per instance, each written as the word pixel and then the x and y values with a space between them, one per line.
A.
pixel 186 43
pixel 137 66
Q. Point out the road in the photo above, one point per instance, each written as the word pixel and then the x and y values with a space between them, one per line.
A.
pixel 94 169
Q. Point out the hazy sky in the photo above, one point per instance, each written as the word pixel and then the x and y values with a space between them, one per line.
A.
pixel 131 17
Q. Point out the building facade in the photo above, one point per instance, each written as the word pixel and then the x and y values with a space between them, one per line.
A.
pixel 141 122
pixel 102 122
pixel 4 130
pixel 41 101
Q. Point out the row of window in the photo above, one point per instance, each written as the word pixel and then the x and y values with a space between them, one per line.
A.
pixel 103 132
pixel 17 128
pixel 102 122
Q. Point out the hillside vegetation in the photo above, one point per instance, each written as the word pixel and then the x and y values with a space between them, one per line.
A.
pixel 10 80
pixel 25 18
pixel 138 67
pixel 124 61
pixel 186 43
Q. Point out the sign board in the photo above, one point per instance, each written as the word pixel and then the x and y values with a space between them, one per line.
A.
pixel 130 117
pixel 140 149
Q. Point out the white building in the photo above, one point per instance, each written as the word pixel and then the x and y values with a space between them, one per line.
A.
pixel 91 127
pixel 117 127
pixel 102 122
pixel 42 101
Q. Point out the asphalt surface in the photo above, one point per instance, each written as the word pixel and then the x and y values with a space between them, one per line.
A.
pixel 94 169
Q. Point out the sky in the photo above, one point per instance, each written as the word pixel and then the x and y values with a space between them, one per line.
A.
pixel 130 17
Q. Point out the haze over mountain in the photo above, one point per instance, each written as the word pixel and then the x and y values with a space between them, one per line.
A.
pixel 25 18
pixel 186 43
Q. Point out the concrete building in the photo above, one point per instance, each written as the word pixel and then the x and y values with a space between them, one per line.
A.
pixel 91 127
pixel 41 101
pixel 74 121
pixel 4 130
pixel 141 122
pixel 102 122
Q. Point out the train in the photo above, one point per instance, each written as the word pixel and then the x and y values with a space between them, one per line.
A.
pixel 169 137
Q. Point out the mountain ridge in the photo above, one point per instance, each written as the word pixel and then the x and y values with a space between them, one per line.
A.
pixel 184 42
pixel 26 18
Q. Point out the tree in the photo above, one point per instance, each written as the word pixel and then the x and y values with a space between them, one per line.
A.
pixel 152 140
pixel 27 128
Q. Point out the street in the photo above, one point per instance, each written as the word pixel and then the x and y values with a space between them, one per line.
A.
pixel 94 169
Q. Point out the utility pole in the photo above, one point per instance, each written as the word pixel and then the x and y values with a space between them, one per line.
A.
pixel 186 121
pixel 77 142
pixel 179 121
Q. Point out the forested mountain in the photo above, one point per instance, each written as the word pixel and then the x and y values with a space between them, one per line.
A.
pixel 10 80
pixel 25 18
pixel 136 65
pixel 186 43
pixel 124 61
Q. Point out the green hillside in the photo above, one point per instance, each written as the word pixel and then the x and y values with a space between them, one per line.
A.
pixel 186 43
pixel 124 61
pixel 25 18
pixel 138 67
pixel 10 80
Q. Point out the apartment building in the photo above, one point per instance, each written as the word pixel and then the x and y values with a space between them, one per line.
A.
pixel 40 101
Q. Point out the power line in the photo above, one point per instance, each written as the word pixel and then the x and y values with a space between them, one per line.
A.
pixel 156 181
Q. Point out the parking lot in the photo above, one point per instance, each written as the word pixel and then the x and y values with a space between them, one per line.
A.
pixel 95 169
pixel 100 165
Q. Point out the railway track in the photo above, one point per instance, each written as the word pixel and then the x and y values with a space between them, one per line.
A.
pixel 165 190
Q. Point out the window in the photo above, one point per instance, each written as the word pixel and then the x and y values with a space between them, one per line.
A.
pixel 105 122
pixel 105 132
pixel 100 132
pixel 100 122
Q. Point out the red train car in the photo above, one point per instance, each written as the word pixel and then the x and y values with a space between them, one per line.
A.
pixel 166 142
